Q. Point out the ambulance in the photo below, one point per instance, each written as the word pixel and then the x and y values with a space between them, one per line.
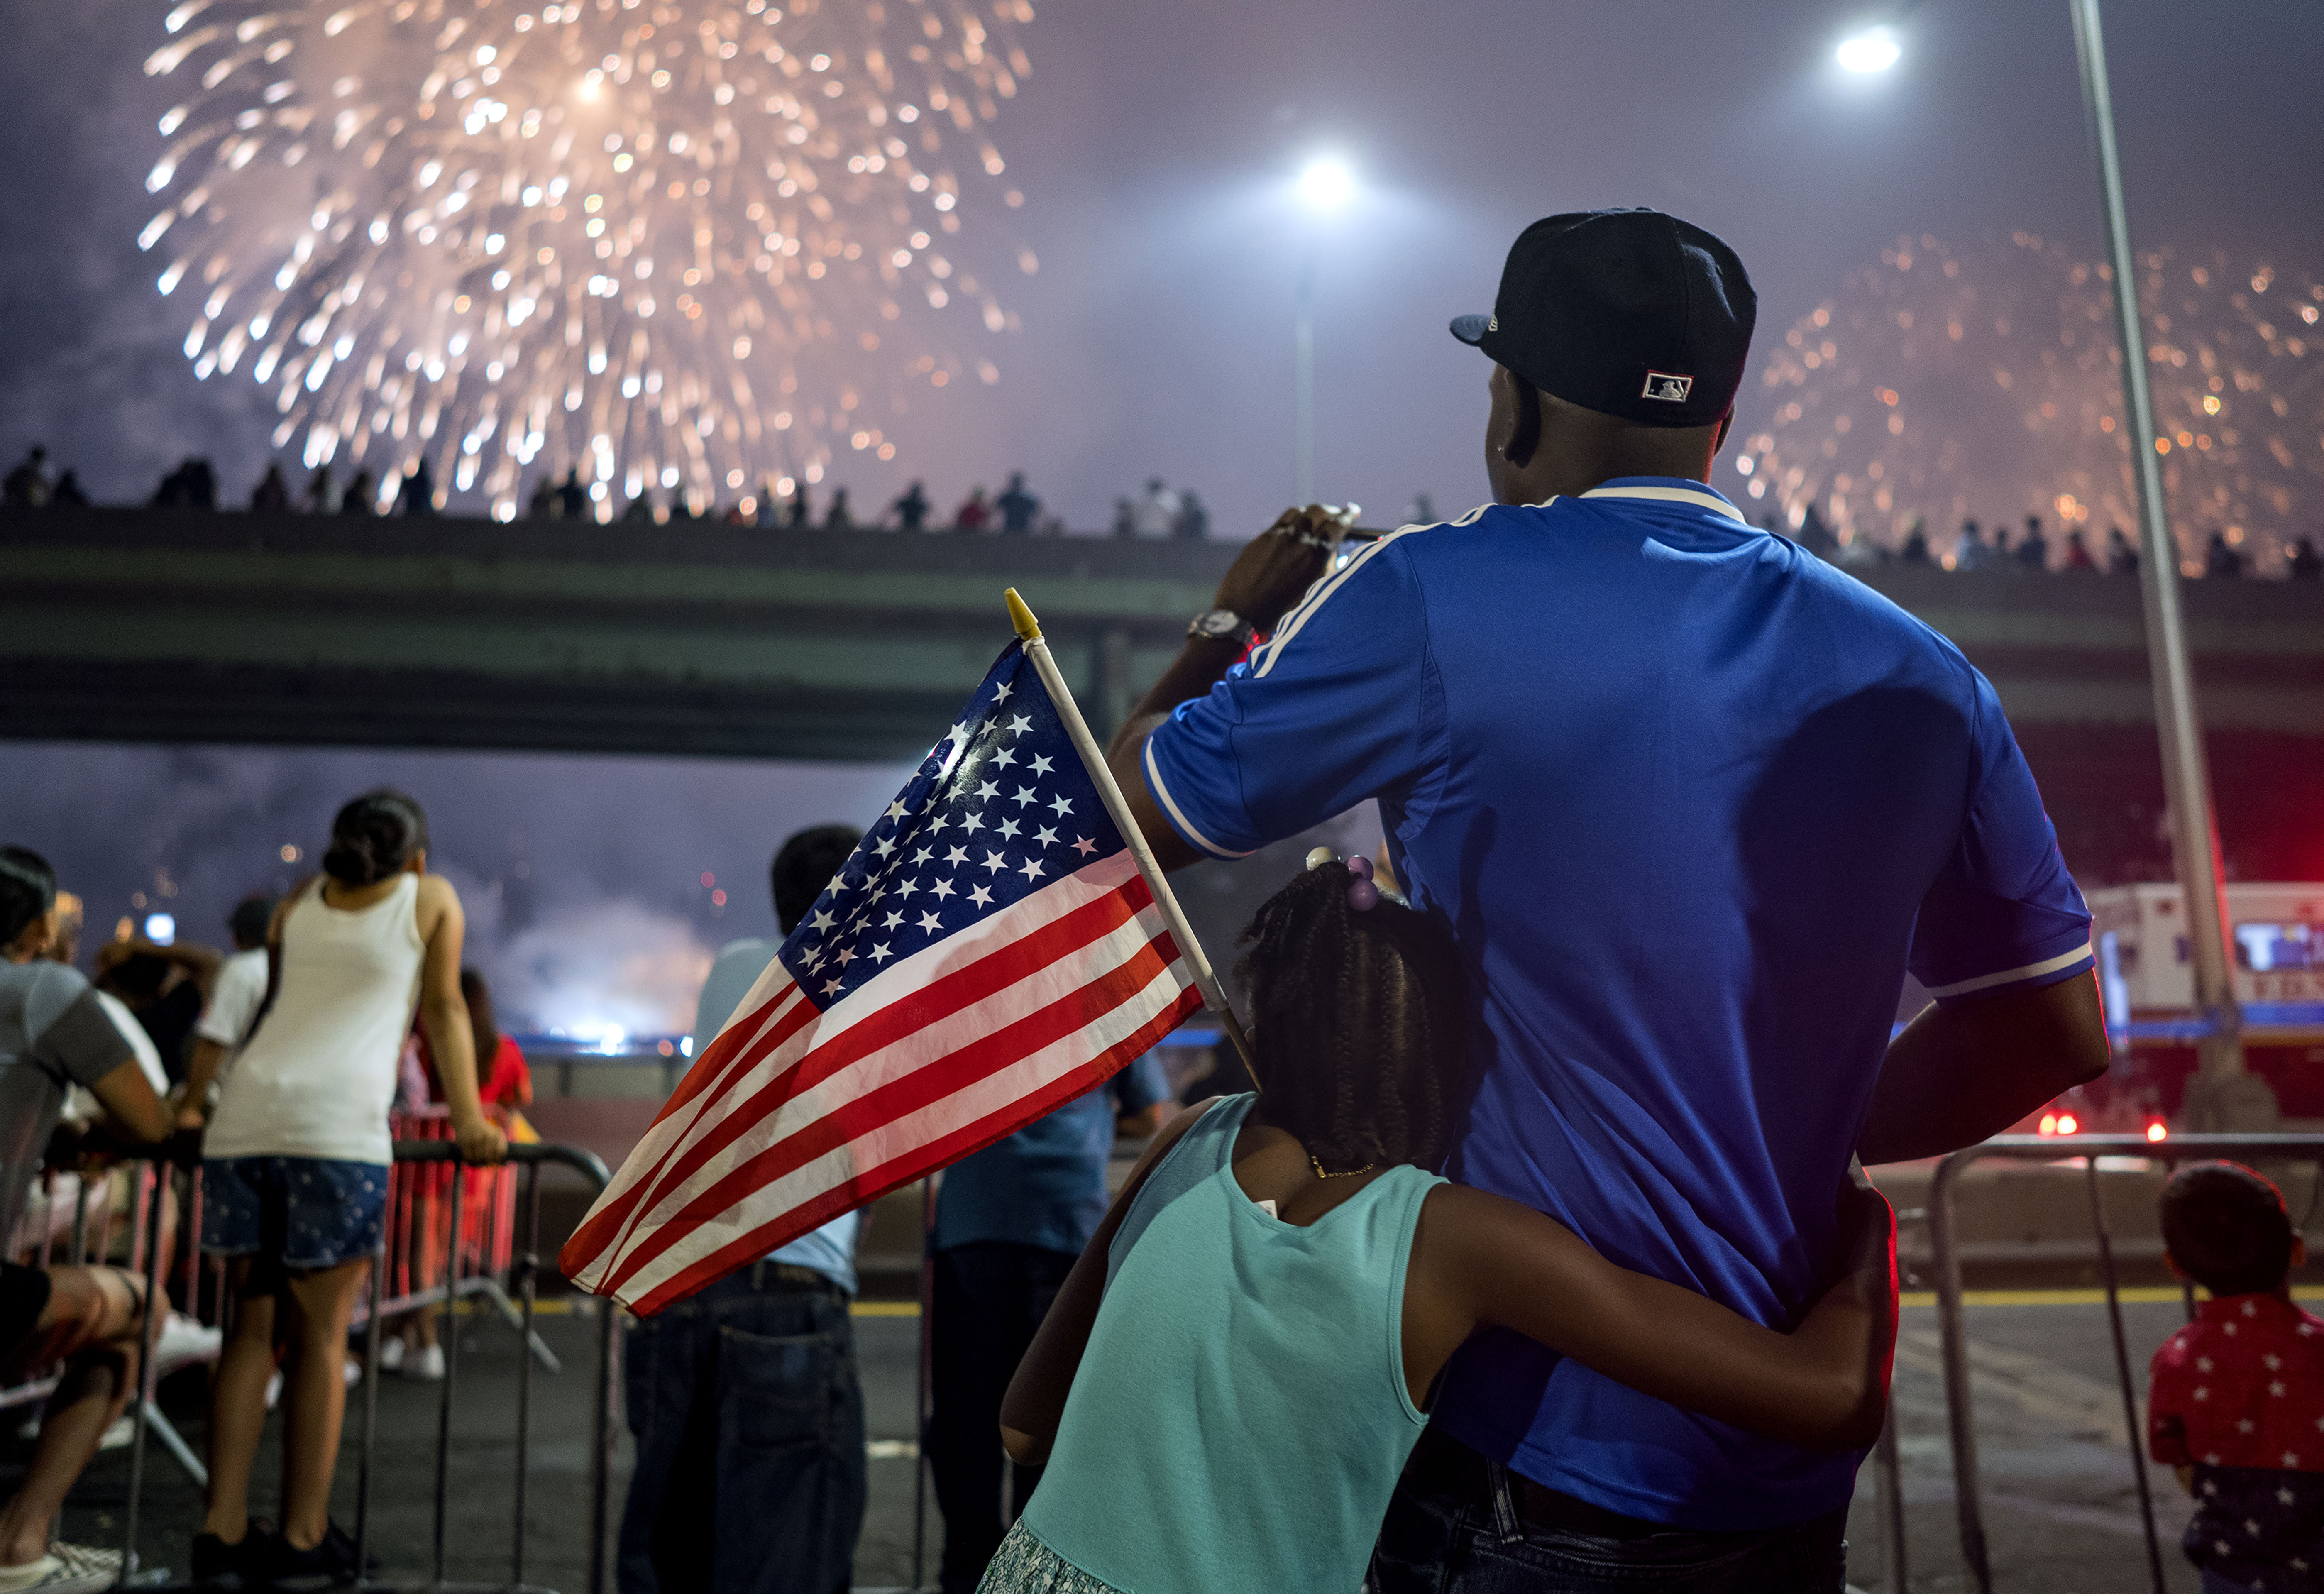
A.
pixel 2148 980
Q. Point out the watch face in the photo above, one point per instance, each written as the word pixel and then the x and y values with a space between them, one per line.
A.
pixel 1217 622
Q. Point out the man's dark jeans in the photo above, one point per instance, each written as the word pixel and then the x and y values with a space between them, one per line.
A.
pixel 749 1420
pixel 990 1298
pixel 1455 1529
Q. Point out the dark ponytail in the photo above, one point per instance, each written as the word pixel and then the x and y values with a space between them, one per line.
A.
pixel 28 890
pixel 1360 1020
pixel 373 837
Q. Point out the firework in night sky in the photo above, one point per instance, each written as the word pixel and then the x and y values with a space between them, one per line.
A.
pixel 688 245
pixel 1947 384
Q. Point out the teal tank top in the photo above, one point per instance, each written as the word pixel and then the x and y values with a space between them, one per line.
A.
pixel 1241 1416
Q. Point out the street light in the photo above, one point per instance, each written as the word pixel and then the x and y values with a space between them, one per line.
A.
pixel 1875 49
pixel 1326 183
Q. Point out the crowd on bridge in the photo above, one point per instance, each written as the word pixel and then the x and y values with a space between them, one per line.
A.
pixel 2226 555
pixel 1159 512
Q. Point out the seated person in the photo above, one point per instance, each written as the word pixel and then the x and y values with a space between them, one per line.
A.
pixel 53 1036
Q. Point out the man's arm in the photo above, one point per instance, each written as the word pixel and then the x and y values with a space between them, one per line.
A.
pixel 1269 576
pixel 1964 1069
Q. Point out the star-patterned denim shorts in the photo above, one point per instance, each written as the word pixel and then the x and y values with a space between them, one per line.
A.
pixel 304 1213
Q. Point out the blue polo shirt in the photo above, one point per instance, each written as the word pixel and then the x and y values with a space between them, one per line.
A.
pixel 1693 801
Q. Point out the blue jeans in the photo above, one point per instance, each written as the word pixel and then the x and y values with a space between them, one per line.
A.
pixel 749 1420
pixel 1456 1526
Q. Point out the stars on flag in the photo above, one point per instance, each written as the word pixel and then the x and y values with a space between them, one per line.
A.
pixel 973 831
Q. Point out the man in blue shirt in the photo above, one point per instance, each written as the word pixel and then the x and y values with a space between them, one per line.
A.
pixel 743 1396
pixel 1010 1223
pixel 1694 803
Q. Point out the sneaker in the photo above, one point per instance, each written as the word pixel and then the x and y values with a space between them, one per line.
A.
pixel 218 1565
pixel 296 1571
pixel 184 1342
pixel 273 1388
pixel 391 1354
pixel 427 1365
pixel 66 1569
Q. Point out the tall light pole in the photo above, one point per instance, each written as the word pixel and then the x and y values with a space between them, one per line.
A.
pixel 2223 1095
pixel 1325 184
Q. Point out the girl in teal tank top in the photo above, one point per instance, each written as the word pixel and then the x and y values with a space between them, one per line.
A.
pixel 1239 1365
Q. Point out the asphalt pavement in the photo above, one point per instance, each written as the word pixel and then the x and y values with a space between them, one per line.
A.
pixel 2061 1506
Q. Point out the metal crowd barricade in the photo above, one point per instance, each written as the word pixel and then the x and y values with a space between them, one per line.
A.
pixel 109 1225
pixel 436 1255
pixel 1945 1259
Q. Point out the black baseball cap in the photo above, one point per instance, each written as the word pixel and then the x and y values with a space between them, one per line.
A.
pixel 1628 312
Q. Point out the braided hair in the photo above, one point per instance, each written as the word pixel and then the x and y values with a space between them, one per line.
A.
pixel 1360 1023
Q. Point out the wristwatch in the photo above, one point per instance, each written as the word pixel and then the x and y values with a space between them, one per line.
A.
pixel 1221 625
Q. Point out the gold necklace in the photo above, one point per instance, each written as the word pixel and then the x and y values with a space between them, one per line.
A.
pixel 1322 1173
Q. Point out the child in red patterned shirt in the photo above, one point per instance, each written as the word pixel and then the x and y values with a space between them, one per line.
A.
pixel 2235 1399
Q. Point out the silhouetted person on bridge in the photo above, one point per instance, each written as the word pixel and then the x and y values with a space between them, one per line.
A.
pixel 1915 551
pixel 911 511
pixel 193 485
pixel 2033 552
pixel 418 494
pixel 2122 559
pixel 272 496
pixel 360 492
pixel 572 497
pixel 1193 522
pixel 2220 562
pixel 2078 556
pixel 973 512
pixel 1816 536
pixel 839 517
pixel 67 494
pixel 27 487
pixel 542 505
pixel 2306 563
pixel 1016 506
pixel 321 498
pixel 800 509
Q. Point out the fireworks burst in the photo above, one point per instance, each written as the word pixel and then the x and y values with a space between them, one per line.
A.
pixel 1946 384
pixel 680 244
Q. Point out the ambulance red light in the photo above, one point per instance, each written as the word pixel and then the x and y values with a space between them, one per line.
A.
pixel 2158 1130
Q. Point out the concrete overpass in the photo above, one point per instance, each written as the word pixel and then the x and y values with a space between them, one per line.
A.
pixel 698 638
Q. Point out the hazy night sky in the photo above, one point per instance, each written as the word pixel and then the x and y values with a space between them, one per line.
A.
pixel 1155 145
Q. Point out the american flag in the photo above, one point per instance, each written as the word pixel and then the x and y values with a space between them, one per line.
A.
pixel 989 953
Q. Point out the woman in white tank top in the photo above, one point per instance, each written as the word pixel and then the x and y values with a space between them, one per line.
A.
pixel 295 1162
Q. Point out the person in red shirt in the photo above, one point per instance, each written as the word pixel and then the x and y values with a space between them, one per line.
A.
pixel 2235 1399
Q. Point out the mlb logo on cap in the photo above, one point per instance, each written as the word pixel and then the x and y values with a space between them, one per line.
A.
pixel 1670 390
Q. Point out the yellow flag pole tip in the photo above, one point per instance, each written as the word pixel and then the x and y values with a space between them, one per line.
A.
pixel 1027 628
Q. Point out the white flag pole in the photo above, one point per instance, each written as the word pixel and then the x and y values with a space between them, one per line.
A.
pixel 1092 756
